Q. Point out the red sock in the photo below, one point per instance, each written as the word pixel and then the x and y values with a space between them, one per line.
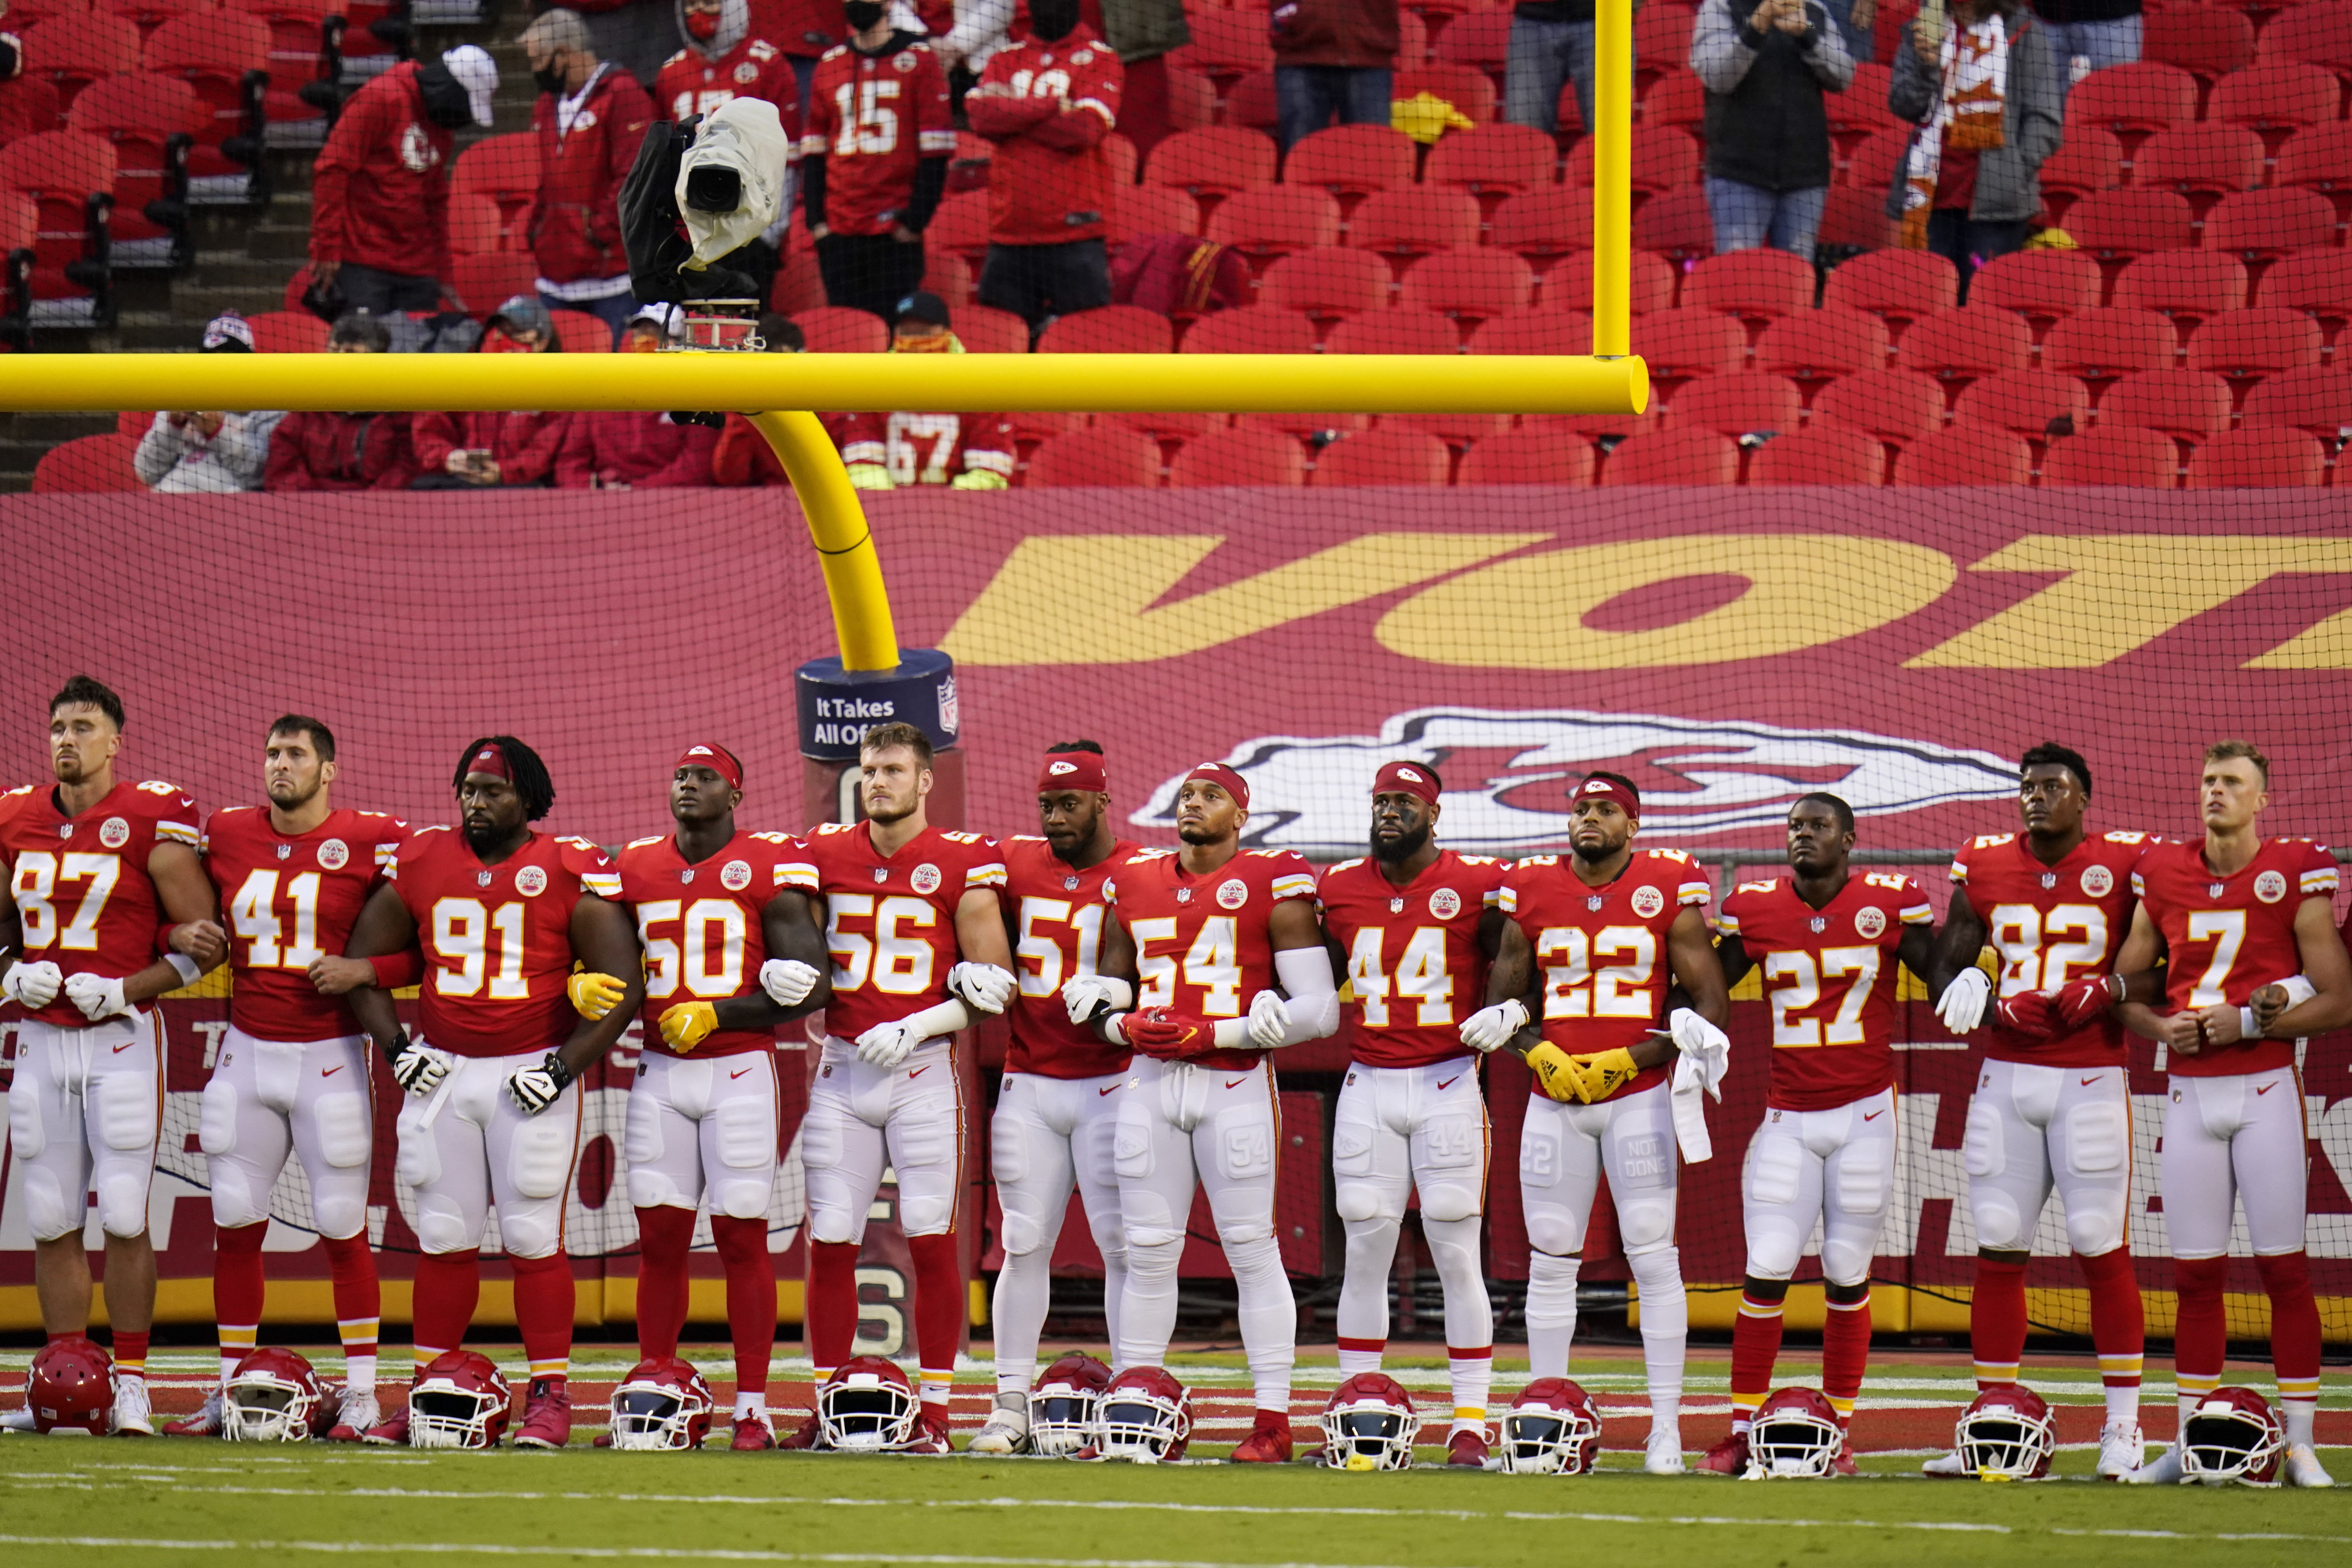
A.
pixel 1997 1320
pixel 2295 1323
pixel 939 1311
pixel 130 1351
pixel 237 1274
pixel 358 1297
pixel 447 1285
pixel 1845 1352
pixel 542 1299
pixel 1755 1346
pixel 665 1235
pixel 750 1297
pixel 2200 1334
pixel 2118 1324
pixel 832 1303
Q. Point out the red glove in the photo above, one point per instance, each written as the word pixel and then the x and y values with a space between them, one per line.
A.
pixel 2080 1000
pixel 1169 1036
pixel 2031 1013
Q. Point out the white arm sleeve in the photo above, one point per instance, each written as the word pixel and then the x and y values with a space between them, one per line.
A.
pixel 1314 998
pixel 940 1018
pixel 1233 1035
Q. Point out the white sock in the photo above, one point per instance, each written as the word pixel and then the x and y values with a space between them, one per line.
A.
pixel 1363 1325
pixel 1469 1317
pixel 359 1373
pixel 751 1404
pixel 2298 1414
pixel 1024 1292
pixel 1269 1319
pixel 2123 1406
pixel 1665 1332
pixel 1551 1313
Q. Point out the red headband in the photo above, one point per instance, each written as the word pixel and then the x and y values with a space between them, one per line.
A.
pixel 1405 778
pixel 705 754
pixel 1224 778
pixel 1073 770
pixel 1595 787
pixel 492 761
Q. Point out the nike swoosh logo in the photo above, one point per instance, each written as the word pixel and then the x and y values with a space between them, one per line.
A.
pixel 2259 1088
pixel 1874 1115
pixel 329 1072
pixel 2088 1082
pixel 1236 1083
pixel 733 1076
pixel 922 1070
pixel 128 1043
pixel 1112 1089
pixel 1450 1082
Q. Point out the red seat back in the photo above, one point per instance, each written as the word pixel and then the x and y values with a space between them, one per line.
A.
pixel 1110 456
pixel 1383 457
pixel 1111 330
pixel 1673 457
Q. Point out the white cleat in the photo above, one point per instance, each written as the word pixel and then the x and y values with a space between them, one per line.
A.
pixel 1947 1465
pixel 2303 1467
pixel 19 1419
pixel 204 1423
pixel 1663 1454
pixel 1007 1429
pixel 131 1417
pixel 2164 1470
pixel 357 1412
pixel 2122 1451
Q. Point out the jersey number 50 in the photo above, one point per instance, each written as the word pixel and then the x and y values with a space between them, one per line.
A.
pixel 707 953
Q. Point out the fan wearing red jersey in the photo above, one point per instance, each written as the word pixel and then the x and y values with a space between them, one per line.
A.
pixel 2253 966
pixel 1412 930
pixel 291 1075
pixel 1588 934
pixel 874 159
pixel 1829 945
pixel 962 451
pixel 493 1111
pixel 725 59
pixel 102 876
pixel 917 934
pixel 731 952
pixel 1202 936
pixel 2052 1103
pixel 1057 1114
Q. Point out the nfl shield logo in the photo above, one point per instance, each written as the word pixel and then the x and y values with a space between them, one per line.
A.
pixel 686 875
pixel 64 830
pixel 2213 890
pixel 1069 884
pixel 481 879
pixel 1183 895
pixel 1396 905
pixel 2049 879
pixel 1594 903
pixel 284 850
pixel 881 874
pixel 1818 925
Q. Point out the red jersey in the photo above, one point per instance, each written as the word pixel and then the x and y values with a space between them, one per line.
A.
pixel 871 118
pixel 2053 924
pixel 1603 949
pixel 700 925
pixel 889 920
pixel 1048 106
pixel 1057 916
pixel 929 448
pixel 1204 945
pixel 1415 968
pixel 2225 938
pixel 692 82
pixel 287 899
pixel 497 938
pixel 1830 976
pixel 83 896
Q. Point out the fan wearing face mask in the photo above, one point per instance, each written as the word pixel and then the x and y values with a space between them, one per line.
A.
pixel 725 58
pixel 874 161
pixel 590 119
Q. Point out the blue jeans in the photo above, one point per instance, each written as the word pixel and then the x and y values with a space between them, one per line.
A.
pixel 1748 216
pixel 1544 57
pixel 1308 97
pixel 1858 40
pixel 2114 43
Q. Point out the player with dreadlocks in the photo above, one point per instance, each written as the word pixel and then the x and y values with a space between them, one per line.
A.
pixel 492 1115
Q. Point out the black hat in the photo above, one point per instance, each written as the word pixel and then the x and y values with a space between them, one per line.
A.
pixel 921 306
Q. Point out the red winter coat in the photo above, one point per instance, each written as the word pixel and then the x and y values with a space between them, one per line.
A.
pixel 642 450
pixel 380 190
pixel 340 452
pixel 1048 106
pixel 523 444
pixel 574 216
pixel 1360 33
pixel 802 28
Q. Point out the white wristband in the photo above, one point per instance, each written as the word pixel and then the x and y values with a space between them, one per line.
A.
pixel 2299 989
pixel 184 967
pixel 2247 1030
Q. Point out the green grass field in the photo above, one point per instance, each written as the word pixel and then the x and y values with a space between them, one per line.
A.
pixel 82 1500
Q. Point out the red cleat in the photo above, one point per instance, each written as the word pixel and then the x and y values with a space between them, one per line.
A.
pixel 930 1435
pixel 602 1440
pixel 1268 1442
pixel 390 1432
pixel 1729 1458
pixel 752 1435
pixel 1466 1449
pixel 1844 1464
pixel 807 1434
pixel 546 1416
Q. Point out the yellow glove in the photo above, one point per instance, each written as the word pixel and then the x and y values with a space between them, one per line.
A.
pixel 1603 1074
pixel 1556 1073
pixel 593 995
pixel 979 479
pixel 688 1025
pixel 870 477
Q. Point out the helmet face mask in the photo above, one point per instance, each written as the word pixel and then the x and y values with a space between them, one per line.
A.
pixel 273 1396
pixel 1795 1435
pixel 1062 1406
pixel 462 1402
pixel 662 1405
pixel 2233 1435
pixel 1550 1429
pixel 867 1404
pixel 1145 1414
pixel 1370 1425
pixel 2007 1431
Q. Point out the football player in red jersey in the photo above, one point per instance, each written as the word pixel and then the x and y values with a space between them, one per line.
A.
pixel 1588 933
pixel 1057 1115
pixel 1413 929
pixel 731 952
pixel 1828 943
pixel 874 160
pixel 493 1112
pixel 725 59
pixel 2252 965
pixel 1210 931
pixel 917 935
pixel 102 876
pixel 2052 1101
pixel 291 1076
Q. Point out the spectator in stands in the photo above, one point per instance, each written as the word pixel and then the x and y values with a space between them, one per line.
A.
pixel 380 189
pixel 2099 33
pixel 1764 64
pixel 1551 45
pixel 633 449
pixel 1333 62
pixel 590 119
pixel 873 180
pixel 724 58
pixel 481 451
pixel 962 451
pixel 743 455
pixel 343 451
pixel 210 453
pixel 1047 103
pixel 803 30
pixel 1988 96
pixel 635 35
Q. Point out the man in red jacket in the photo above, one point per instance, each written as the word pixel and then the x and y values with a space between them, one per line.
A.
pixel 1333 61
pixel 321 451
pixel 803 30
pixel 1047 103
pixel 873 163
pixel 590 118
pixel 380 190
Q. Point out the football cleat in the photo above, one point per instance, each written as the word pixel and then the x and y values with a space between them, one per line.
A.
pixel 2006 1431
pixel 1006 1430
pixel 72 1387
pixel 204 1423
pixel 752 1434
pixel 868 1405
pixel 1550 1429
pixel 2122 1451
pixel 1062 1404
pixel 131 1418
pixel 1948 1466
pixel 2301 1467
pixel 1662 1454
pixel 273 1396
pixel 546 1416
pixel 1268 1442
pixel 2164 1470
pixel 931 1435
pixel 662 1404
pixel 1796 1435
pixel 390 1432
pixel 1841 1462
pixel 2232 1434
pixel 461 1400
pixel 1144 1415
pixel 355 1416
pixel 809 1434
pixel 19 1419
pixel 1467 1449
pixel 1728 1458
pixel 1368 1424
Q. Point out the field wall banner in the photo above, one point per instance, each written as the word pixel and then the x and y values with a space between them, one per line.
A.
pixel 1729 649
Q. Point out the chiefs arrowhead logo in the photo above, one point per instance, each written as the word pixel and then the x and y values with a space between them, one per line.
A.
pixel 1061 767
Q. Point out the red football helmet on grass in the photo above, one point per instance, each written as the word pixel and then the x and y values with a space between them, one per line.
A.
pixel 1062 1406
pixel 2233 1435
pixel 1550 1429
pixel 462 1400
pixel 663 1403
pixel 1144 1415
pixel 274 1396
pixel 70 1386
pixel 1795 1434
pixel 867 1404
pixel 2006 1431
pixel 1370 1425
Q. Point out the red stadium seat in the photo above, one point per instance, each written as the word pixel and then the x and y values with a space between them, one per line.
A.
pixel 1679 98
pixel 1817 345
pixel 1673 457
pixel 1191 99
pixel 1466 88
pixel 1760 284
pixel 1540 224
pixel 1262 329
pixel 2317 281
pixel 1870 165
pixel 1662 37
pixel 484 283
pixel 2184 283
pixel 1103 457
pixel 2258 460
pixel 1897 405
pixel 1898 285
pixel 1665 157
pixel 1480 38
pixel 1650 283
pixel 1742 403
pixel 1238 457
pixel 960 227
pixel 2262 340
pixel 1688 341
pixel 2278 95
pixel 503 168
pixel 2315 35
pixel 225 56
pixel 475 226
pixel 1250 101
pixel 1415 221
pixel 2191 404
pixel 1275 221
pixel 1470 285
pixel 984 330
pixel 2025 402
pixel 1973 341
pixel 2200 159
pixel 2319 401
pixel 87 465
pixel 1304 427
pixel 1166 427
pixel 1493 160
pixel 2319 158
pixel 2257 225
pixel 1412 39
pixel 1331 281
pixel 72 50
pixel 2209 42
pixel 838 329
pixel 148 119
pixel 2109 341
pixel 1527 457
pixel 798 286
pixel 300 333
pixel 581 333
pixel 1826 454
pixel 1111 330
pixel 1383 457
pixel 2136 459
pixel 296 32
pixel 1539 331
pixel 1862 108
pixel 1606 426
pixel 949 277
pixel 1351 160
pixel 1677 225
pixel 1148 209
pixel 1855 220
pixel 1453 429
pixel 24 14
pixel 1395 332
pixel 2141 97
pixel 1225 44
pixel 69 175
pixel 2113 225
pixel 1217 162
pixel 2090 159
pixel 1966 454
pixel 2039 284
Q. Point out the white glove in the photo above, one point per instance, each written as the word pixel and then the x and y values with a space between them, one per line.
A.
pixel 97 996
pixel 1962 1004
pixel 534 1089
pixel 787 981
pixel 1489 1027
pixel 1269 1020
pixel 885 1046
pixel 1694 1036
pixel 33 984
pixel 417 1068
pixel 984 987
pixel 1090 996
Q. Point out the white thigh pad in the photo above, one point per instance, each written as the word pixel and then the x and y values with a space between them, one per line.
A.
pixel 1244 1141
pixel 346 1135
pixel 1776 1168
pixel 1131 1149
pixel 216 1123
pixel 418 1161
pixel 540 1162
pixel 1862 1178
pixel 127 1111
pixel 747 1133
pixel 645 1124
pixel 1981 1149
pixel 24 1126
pixel 2098 1138
pixel 1450 1167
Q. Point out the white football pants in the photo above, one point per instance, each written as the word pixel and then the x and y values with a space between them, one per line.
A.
pixel 862 1120
pixel 85 1109
pixel 708 1125
pixel 2033 1129
pixel 1400 1131
pixel 468 1145
pixel 2232 1141
pixel 271 1097
pixel 1049 1136
pixel 1833 1168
